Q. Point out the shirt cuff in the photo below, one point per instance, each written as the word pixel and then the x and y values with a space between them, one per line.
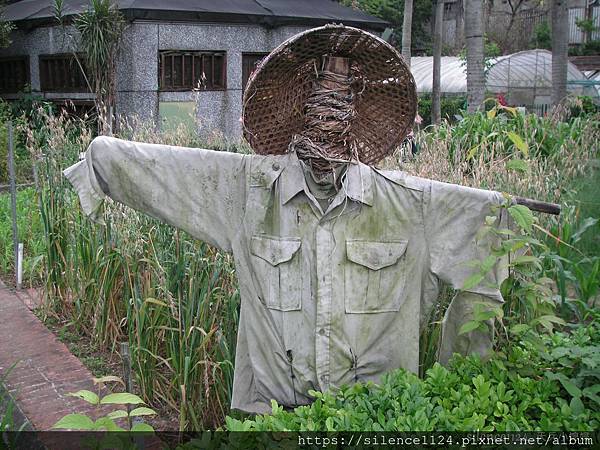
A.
pixel 83 179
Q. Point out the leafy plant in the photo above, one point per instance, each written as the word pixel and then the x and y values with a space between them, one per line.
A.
pixel 510 392
pixel 107 423
pixel 7 408
pixel 542 36
pixel 30 233
pixel 572 359
pixel 586 25
pixel 452 107
pixel 100 29
pixel 393 12
pixel 174 298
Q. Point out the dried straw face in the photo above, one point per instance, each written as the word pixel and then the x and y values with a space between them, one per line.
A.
pixel 277 92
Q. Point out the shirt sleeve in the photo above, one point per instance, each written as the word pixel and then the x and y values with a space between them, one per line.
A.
pixel 454 216
pixel 199 191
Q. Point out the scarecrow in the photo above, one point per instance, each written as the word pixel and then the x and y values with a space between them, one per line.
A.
pixel 339 263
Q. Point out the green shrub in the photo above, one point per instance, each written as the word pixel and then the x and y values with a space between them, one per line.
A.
pixel 590 48
pixel 452 106
pixel 544 383
pixel 542 36
pixel 22 158
pixel 583 106
pixel 507 132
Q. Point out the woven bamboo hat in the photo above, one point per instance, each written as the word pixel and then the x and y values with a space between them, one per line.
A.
pixel 385 91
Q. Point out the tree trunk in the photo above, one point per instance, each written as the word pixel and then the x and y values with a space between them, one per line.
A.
pixel 560 48
pixel 474 39
pixel 436 110
pixel 589 15
pixel 407 30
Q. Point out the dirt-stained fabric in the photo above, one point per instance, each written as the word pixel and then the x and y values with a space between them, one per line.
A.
pixel 330 296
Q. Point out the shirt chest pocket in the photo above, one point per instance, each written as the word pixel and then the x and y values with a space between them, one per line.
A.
pixel 374 276
pixel 278 265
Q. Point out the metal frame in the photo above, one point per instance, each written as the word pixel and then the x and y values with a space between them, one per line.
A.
pixel 202 55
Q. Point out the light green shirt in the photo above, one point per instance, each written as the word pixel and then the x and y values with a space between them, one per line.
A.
pixel 330 295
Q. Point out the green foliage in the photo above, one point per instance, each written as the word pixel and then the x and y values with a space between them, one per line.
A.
pixel 583 106
pixel 82 422
pixel 586 49
pixel 99 33
pixel 572 269
pixel 393 12
pixel 570 359
pixel 510 392
pixel 174 298
pixel 586 25
pixel 7 414
pixel 30 233
pixel 22 158
pixel 505 131
pixel 100 29
pixel 452 107
pixel 542 36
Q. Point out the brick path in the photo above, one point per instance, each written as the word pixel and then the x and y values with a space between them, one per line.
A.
pixel 45 372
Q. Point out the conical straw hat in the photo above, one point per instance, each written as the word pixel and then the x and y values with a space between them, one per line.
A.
pixel 384 89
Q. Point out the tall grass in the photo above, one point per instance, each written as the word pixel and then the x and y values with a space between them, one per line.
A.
pixel 548 160
pixel 30 233
pixel 176 299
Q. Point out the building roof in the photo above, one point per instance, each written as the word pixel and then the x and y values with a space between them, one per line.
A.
pixel 265 12
pixel 532 70
pixel 527 70
pixel 453 74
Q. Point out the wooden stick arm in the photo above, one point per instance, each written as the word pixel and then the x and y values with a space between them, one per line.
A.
pixel 536 205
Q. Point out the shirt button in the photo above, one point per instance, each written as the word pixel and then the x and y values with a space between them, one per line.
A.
pixel 322 331
pixel 276 166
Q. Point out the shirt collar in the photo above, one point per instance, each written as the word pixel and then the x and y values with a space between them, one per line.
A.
pixel 358 181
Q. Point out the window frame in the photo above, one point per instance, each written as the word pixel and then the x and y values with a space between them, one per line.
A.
pixel 246 77
pixel 163 54
pixel 69 57
pixel 27 81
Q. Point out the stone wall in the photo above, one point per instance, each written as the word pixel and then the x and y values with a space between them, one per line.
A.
pixel 216 110
pixel 137 67
pixel 46 40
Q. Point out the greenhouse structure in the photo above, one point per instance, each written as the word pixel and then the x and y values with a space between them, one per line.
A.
pixel 523 78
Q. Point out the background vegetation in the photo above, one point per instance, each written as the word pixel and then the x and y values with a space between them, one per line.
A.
pixel 176 300
pixel 393 12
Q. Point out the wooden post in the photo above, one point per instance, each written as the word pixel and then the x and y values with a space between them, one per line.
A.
pixel 338 65
pixel 436 108
pixel 536 205
pixel 127 374
pixel 13 199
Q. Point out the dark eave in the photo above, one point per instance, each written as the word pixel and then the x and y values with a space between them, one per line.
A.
pixel 271 13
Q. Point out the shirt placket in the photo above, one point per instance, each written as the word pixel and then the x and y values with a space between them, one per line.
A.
pixel 324 241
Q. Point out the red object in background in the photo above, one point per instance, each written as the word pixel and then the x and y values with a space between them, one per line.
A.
pixel 501 100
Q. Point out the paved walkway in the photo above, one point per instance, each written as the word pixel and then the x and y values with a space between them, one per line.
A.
pixel 45 370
